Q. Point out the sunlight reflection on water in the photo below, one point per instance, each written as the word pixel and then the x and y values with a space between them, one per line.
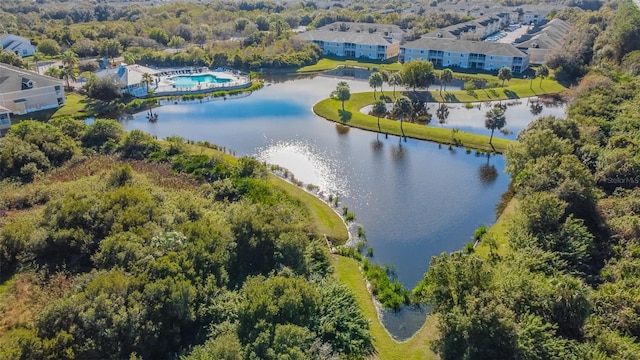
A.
pixel 307 163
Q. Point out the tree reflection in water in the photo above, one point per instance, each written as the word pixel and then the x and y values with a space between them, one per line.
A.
pixel 487 174
pixel 377 144
pixel 341 129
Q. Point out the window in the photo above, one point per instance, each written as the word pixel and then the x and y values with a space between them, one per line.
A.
pixel 17 101
pixel 60 101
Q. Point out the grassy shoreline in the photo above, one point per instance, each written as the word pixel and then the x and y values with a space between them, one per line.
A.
pixel 418 347
pixel 330 109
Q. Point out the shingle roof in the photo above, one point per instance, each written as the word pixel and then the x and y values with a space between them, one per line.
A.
pixel 551 35
pixel 12 78
pixel 453 31
pixel 12 44
pixel 344 37
pixel 465 46
pixel 128 75
pixel 345 26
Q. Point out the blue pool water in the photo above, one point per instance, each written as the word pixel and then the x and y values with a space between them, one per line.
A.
pixel 193 80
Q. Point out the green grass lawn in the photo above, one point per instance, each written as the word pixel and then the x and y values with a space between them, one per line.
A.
pixel 325 220
pixel 325 64
pixel 77 106
pixel 330 109
pixel 418 347
pixel 499 231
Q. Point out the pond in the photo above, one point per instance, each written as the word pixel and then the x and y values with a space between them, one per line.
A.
pixel 414 199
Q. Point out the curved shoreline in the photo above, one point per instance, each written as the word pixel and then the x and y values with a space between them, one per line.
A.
pixel 362 279
pixel 330 109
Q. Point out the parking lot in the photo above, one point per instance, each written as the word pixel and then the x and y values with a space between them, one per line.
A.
pixel 508 37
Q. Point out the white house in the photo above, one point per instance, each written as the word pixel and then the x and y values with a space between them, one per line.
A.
pixel 23 91
pixel 358 40
pixel 17 45
pixel 465 54
pixel 130 78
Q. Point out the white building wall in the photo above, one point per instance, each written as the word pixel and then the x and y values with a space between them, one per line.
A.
pixel 41 98
pixel 457 59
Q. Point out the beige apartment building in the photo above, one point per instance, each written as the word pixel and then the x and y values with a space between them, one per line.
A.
pixel 23 91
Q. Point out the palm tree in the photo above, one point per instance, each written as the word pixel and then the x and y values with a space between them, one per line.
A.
pixel 385 78
pixel 379 109
pixel 394 80
pixel 375 81
pixel 147 80
pixel 402 108
pixel 446 76
pixel 69 74
pixel 494 119
pixel 37 56
pixel 542 72
pixel 442 113
pixel 343 93
pixel 69 58
pixel 504 74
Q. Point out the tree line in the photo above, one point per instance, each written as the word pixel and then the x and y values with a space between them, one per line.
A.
pixel 561 282
pixel 147 249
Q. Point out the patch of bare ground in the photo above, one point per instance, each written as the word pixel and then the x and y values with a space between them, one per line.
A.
pixel 26 295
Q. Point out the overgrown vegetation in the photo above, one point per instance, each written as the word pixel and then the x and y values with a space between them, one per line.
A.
pixel 147 249
pixel 566 286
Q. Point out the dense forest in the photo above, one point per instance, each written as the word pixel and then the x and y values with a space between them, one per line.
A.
pixel 115 245
pixel 243 35
pixel 562 281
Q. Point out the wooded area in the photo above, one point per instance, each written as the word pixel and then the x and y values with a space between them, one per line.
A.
pixel 115 245
pixel 567 287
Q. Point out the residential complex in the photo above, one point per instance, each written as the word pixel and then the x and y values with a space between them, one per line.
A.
pixel 476 44
pixel 357 40
pixel 17 45
pixel 539 41
pixel 23 91
pixel 466 54
pixel 476 29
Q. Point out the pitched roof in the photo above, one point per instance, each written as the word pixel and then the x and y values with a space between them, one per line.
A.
pixel 454 31
pixel 14 79
pixel 345 26
pixel 10 41
pixel 344 37
pixel 128 75
pixel 550 36
pixel 464 46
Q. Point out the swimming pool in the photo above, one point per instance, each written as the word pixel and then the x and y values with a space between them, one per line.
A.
pixel 193 80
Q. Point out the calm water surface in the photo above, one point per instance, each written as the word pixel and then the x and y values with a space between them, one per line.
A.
pixel 413 199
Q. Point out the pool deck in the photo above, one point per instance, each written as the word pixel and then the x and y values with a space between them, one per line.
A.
pixel 164 85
